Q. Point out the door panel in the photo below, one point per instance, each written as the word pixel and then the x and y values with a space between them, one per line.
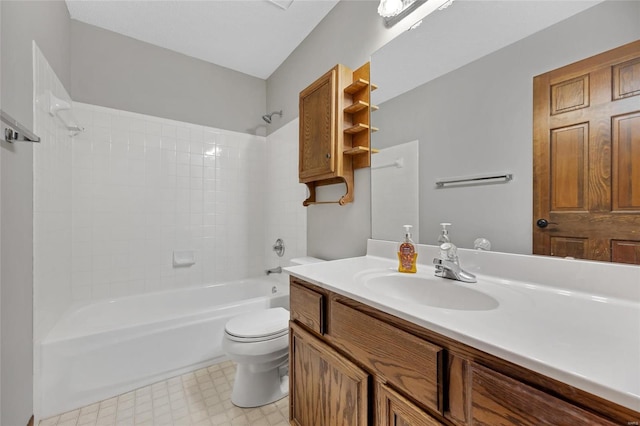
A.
pixel 570 95
pixel 569 155
pixel 626 251
pixel 569 247
pixel 626 79
pixel 626 167
pixel 587 158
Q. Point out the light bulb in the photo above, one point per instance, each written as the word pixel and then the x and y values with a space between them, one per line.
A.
pixel 389 8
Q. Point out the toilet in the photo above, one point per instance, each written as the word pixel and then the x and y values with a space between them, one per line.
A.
pixel 258 342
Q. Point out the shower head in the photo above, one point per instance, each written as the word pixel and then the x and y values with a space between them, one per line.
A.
pixel 267 117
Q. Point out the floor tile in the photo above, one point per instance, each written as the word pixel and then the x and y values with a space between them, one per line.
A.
pixel 198 398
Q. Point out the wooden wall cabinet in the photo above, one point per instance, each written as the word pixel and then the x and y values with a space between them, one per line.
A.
pixel 351 364
pixel 335 132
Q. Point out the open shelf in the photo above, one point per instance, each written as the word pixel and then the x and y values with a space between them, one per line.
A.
pixel 356 86
pixel 356 129
pixel 358 106
pixel 356 150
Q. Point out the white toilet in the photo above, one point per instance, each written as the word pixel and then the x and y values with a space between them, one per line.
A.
pixel 258 343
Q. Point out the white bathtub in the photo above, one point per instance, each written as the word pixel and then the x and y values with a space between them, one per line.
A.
pixel 105 348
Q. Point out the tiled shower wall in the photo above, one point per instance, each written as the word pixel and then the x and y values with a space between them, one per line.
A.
pixel 144 187
pixel 286 218
pixel 113 203
pixel 52 202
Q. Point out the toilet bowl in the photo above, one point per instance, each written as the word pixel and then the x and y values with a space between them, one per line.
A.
pixel 258 343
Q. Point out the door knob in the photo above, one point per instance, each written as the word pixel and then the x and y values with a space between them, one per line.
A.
pixel 543 223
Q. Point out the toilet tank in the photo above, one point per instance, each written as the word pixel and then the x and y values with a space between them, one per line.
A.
pixel 304 260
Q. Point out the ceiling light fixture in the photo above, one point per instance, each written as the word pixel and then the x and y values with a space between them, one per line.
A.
pixel 389 8
pixel 394 11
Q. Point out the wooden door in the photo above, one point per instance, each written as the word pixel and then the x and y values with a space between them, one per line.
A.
pixel 586 164
pixel 317 127
pixel 395 410
pixel 326 388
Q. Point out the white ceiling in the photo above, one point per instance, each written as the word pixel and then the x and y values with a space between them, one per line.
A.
pixel 256 36
pixel 250 36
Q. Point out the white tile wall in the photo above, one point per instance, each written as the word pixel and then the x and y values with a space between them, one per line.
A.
pixel 113 203
pixel 145 186
pixel 51 210
pixel 286 217
pixel 52 202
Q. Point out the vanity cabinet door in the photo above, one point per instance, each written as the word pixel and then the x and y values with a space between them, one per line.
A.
pixel 395 410
pixel 500 400
pixel 325 388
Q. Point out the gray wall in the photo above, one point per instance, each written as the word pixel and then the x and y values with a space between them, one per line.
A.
pixel 46 22
pixel 120 72
pixel 0 225
pixel 348 35
pixel 478 119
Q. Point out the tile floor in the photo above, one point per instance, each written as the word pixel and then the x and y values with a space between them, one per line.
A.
pixel 202 397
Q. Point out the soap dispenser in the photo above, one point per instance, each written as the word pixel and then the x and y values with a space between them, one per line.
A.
pixel 444 234
pixel 407 255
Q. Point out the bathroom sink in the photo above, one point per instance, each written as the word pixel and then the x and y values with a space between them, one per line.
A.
pixel 429 290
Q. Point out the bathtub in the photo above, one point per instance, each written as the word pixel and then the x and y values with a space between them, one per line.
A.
pixel 105 348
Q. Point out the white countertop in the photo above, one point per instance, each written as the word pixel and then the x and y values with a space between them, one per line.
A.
pixel 589 340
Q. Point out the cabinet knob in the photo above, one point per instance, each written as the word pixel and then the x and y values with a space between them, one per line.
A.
pixel 328 155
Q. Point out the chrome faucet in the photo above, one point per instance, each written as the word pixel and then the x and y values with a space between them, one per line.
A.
pixel 277 270
pixel 448 265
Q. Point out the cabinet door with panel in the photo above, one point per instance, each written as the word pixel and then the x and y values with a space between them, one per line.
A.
pixel 325 388
pixel 395 410
pixel 318 128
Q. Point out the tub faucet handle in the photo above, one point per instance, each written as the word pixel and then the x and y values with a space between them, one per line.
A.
pixel 278 247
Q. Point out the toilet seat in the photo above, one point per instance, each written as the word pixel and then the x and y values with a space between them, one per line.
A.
pixel 258 326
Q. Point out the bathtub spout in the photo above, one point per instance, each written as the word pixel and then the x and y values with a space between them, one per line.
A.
pixel 277 270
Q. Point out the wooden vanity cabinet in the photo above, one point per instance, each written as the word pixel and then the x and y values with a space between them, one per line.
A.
pixel 351 364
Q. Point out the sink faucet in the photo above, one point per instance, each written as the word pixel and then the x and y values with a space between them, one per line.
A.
pixel 277 270
pixel 448 265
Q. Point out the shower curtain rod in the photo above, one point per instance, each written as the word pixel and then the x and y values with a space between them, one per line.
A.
pixel 16 132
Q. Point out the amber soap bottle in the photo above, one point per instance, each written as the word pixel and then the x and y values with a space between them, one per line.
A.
pixel 407 255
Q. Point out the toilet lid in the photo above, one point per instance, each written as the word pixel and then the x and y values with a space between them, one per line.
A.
pixel 265 323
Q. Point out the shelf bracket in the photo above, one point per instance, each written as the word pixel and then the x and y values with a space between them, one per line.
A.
pixel 346 198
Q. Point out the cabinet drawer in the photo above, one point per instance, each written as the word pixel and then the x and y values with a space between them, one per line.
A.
pixel 498 399
pixel 307 307
pixel 410 364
